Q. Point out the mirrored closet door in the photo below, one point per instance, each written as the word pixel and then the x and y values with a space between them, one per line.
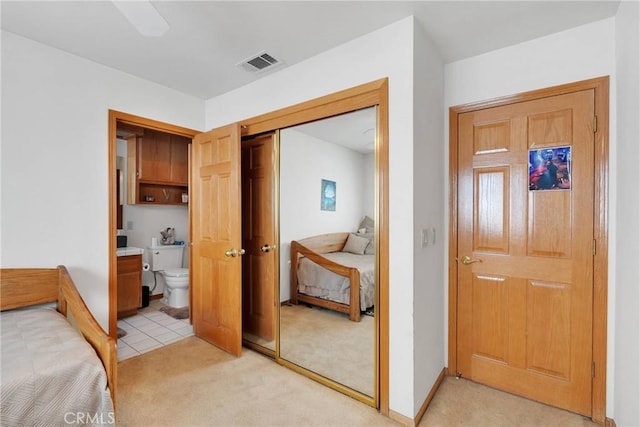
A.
pixel 327 206
pixel 328 201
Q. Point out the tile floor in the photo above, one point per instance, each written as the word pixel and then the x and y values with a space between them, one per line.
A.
pixel 150 329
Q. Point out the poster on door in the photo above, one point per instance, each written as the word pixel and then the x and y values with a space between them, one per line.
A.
pixel 550 169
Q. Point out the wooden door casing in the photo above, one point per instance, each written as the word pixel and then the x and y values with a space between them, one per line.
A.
pixel 525 311
pixel 258 236
pixel 216 238
pixel 133 124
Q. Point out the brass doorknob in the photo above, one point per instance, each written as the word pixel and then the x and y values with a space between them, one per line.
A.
pixel 267 247
pixel 233 252
pixel 466 260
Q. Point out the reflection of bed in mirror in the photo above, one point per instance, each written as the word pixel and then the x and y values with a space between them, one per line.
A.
pixel 334 271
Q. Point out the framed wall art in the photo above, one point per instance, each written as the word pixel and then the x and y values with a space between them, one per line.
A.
pixel 328 195
pixel 550 169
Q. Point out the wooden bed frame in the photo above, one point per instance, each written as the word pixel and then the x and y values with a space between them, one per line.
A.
pixel 313 248
pixel 23 287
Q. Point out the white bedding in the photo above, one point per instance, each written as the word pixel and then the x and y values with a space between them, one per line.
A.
pixel 51 376
pixel 319 282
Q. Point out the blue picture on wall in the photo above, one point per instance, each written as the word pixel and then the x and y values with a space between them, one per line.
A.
pixel 328 195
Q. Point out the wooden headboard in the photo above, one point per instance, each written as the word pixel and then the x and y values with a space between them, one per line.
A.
pixel 23 287
pixel 325 243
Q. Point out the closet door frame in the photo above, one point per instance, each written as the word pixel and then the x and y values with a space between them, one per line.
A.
pixel 370 94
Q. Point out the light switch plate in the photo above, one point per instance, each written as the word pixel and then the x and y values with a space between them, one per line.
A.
pixel 428 236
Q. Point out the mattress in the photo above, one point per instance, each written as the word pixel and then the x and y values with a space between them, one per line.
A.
pixel 51 376
pixel 317 281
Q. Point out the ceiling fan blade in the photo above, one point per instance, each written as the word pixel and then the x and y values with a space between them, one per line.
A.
pixel 143 16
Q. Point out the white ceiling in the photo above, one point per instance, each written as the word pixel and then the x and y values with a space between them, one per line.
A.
pixel 355 130
pixel 206 40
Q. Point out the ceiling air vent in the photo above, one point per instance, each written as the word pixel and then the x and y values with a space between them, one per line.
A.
pixel 259 62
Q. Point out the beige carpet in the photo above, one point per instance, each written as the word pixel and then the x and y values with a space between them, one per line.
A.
pixel 465 403
pixel 191 383
pixel 327 342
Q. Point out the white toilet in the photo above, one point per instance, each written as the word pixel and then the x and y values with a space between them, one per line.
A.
pixel 167 260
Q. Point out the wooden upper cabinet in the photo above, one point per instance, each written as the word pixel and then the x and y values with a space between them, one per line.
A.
pixel 179 167
pixel 154 156
pixel 163 158
pixel 158 168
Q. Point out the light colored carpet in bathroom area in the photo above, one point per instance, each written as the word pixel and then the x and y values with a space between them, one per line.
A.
pixel 191 383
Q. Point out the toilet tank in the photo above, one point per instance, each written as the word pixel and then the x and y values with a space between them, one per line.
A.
pixel 165 257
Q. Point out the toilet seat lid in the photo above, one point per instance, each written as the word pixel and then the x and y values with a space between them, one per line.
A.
pixel 177 272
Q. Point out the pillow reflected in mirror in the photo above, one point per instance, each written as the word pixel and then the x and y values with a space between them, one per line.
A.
pixel 355 244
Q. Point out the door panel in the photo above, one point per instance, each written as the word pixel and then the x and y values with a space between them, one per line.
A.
pixel 490 295
pixel 546 234
pixel 491 208
pixel 216 233
pixel 525 300
pixel 258 225
pixel 548 308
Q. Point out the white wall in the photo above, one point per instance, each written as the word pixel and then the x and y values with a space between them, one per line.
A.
pixel 429 181
pixel 576 54
pixel 369 191
pixel 387 52
pixel 626 362
pixel 55 196
pixel 304 162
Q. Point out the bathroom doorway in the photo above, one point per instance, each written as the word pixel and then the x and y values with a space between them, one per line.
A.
pixel 169 201
pixel 140 208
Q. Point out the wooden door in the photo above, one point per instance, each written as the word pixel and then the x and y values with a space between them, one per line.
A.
pixel 525 291
pixel 216 238
pixel 258 236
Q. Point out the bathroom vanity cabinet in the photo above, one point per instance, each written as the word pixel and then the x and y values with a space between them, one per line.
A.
pixel 158 168
pixel 129 284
